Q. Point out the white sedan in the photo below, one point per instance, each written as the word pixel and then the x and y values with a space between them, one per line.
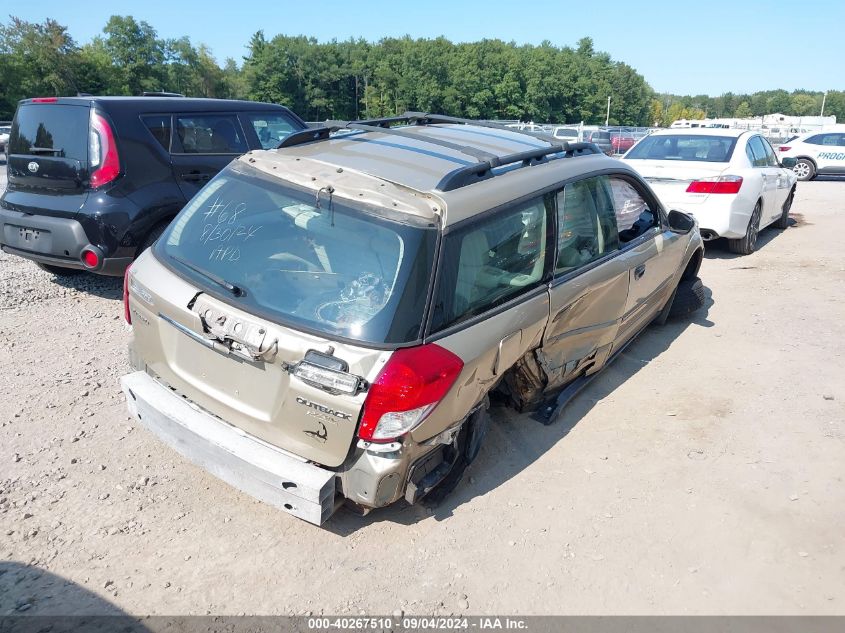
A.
pixel 730 180
pixel 816 153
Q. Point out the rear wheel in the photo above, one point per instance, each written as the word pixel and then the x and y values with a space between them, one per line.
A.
pixel 61 271
pixel 745 245
pixel 783 221
pixel 804 169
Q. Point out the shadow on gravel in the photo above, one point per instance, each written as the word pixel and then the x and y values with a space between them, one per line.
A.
pixel 32 599
pixel 89 283
pixel 515 441
pixel 718 249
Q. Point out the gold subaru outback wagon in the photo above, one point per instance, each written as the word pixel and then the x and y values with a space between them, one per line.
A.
pixel 326 322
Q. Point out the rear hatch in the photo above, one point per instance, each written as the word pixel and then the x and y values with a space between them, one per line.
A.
pixel 251 279
pixel 48 158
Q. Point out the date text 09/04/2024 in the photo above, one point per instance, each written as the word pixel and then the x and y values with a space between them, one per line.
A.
pixel 411 623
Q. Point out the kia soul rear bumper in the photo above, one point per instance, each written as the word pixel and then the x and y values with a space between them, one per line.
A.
pixel 51 240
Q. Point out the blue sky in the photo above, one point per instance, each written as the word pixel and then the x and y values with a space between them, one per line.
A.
pixel 708 47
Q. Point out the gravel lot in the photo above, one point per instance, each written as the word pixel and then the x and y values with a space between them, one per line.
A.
pixel 702 473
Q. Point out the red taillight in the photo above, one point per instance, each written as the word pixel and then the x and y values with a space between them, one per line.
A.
pixel 126 314
pixel 90 259
pixel 718 184
pixel 412 382
pixel 784 148
pixel 102 151
pixel 45 100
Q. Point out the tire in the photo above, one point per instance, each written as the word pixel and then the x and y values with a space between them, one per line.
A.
pixel 663 315
pixel 745 245
pixel 60 271
pixel 783 221
pixel 804 169
pixel 151 238
pixel 688 297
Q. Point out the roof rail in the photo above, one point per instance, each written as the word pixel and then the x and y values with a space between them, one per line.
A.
pixel 459 177
pixel 464 176
pixel 308 135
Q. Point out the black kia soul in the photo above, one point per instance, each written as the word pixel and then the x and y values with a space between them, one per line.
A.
pixel 93 181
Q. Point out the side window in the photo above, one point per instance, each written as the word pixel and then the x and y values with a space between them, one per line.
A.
pixel 210 134
pixel 758 153
pixel 818 139
pixel 633 215
pixel 270 128
pixel 159 127
pixel 771 159
pixel 491 262
pixel 586 223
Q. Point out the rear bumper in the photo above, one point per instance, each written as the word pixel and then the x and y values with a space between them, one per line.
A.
pixel 717 216
pixel 51 240
pixel 241 460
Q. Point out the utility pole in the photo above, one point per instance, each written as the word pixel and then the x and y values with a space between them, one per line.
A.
pixel 607 118
pixel 824 98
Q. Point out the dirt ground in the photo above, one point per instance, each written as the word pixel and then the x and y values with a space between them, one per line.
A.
pixel 701 474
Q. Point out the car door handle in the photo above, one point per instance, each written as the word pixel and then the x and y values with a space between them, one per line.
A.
pixel 639 271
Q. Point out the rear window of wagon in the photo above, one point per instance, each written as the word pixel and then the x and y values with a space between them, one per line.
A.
pixel 337 269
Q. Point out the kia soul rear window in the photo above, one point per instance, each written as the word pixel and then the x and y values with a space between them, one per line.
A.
pixel 51 129
pixel 328 267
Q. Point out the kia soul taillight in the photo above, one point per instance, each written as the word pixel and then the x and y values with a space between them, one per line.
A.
pixel 103 158
pixel 406 391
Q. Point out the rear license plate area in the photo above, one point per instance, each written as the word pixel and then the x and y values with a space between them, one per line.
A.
pixel 28 238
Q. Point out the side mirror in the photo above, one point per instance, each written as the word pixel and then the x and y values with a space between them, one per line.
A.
pixel 788 162
pixel 680 222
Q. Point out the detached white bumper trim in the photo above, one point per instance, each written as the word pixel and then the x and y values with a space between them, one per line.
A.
pixel 255 467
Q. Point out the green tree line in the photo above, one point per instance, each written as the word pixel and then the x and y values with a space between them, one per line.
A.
pixel 667 108
pixel 349 79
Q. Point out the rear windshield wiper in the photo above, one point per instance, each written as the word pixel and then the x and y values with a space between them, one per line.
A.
pixel 46 150
pixel 235 290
